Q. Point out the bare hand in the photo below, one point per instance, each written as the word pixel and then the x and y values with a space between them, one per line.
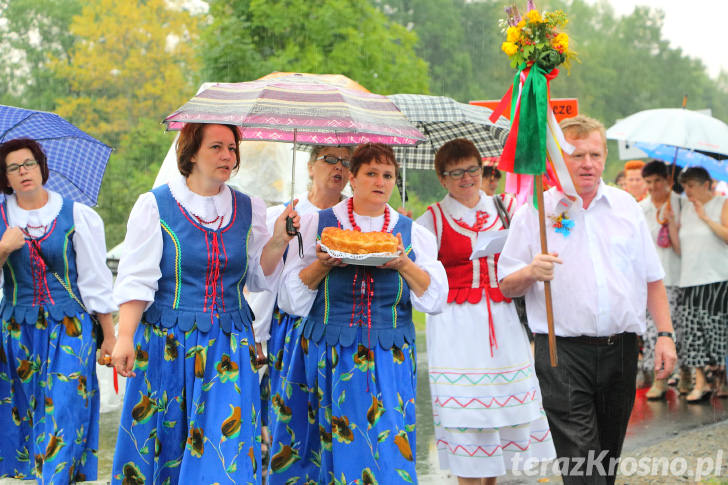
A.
pixel 401 261
pixel 260 358
pixel 13 239
pixel 123 356
pixel 542 266
pixel 405 212
pixel 665 357
pixel 107 346
pixel 668 213
pixel 699 209
pixel 327 260
pixel 279 228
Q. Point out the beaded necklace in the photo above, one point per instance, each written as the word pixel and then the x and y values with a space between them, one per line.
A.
pixel 355 226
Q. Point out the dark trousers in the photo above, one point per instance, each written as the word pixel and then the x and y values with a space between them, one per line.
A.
pixel 588 399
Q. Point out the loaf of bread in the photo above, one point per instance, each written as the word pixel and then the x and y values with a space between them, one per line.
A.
pixel 355 242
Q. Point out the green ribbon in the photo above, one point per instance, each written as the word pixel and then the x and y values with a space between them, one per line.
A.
pixel 530 156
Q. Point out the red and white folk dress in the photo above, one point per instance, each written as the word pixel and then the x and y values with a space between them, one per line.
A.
pixel 485 396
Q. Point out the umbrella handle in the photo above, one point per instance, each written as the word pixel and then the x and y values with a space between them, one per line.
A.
pixel 292 231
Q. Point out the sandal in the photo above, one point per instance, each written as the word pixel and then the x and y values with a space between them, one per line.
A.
pixel 721 388
pixel 685 382
pixel 698 396
pixel 657 391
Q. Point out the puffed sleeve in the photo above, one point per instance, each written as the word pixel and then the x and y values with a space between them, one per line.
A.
pixel 263 302
pixel 424 245
pixel 259 237
pixel 426 220
pixel 294 297
pixel 94 277
pixel 518 251
pixel 139 271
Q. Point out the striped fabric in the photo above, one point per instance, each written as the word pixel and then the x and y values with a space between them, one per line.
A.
pixel 76 160
pixel 322 113
pixel 443 119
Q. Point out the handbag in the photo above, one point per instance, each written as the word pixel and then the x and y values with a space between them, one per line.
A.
pixel 518 301
pixel 663 236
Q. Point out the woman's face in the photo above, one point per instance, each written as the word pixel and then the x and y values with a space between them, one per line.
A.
pixel 22 179
pixel 463 187
pixel 214 161
pixel 373 183
pixel 695 190
pixel 656 185
pixel 330 177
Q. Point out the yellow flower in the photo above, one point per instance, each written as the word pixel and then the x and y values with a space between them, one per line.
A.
pixel 533 16
pixel 513 34
pixel 521 24
pixel 509 48
pixel 560 42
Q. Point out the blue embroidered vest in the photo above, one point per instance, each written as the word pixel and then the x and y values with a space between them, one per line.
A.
pixel 28 285
pixel 203 270
pixel 363 303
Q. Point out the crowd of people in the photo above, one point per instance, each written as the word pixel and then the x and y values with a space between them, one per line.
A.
pixel 213 284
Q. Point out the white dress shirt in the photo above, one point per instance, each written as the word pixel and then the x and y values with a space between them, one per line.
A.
pixel 608 259
pixel 89 242
pixel 668 257
pixel 139 269
pixel 296 298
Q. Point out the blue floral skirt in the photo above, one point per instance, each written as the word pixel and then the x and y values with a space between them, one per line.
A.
pixel 49 400
pixel 361 417
pixel 192 413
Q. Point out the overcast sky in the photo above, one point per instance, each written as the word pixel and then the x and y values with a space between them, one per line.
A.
pixel 696 26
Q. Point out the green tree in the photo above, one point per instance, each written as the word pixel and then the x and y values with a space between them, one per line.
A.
pixel 31 33
pixel 247 39
pixel 132 64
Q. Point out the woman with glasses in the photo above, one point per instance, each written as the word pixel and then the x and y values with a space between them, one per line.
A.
pixel 485 395
pixel 53 254
pixel 192 404
pixel 358 340
pixel 287 403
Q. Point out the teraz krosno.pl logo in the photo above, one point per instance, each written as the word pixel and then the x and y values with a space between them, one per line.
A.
pixel 598 464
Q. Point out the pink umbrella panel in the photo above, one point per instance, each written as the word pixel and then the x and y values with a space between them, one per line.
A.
pixel 316 112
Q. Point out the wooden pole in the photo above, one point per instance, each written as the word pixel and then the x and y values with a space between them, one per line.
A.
pixel 546 284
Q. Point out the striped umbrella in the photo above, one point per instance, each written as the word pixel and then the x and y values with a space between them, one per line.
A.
pixel 315 111
pixel 76 160
pixel 443 119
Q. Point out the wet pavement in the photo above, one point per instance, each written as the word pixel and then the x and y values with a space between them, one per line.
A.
pixel 651 422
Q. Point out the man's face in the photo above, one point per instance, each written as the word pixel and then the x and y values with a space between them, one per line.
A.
pixel 586 162
pixel 635 183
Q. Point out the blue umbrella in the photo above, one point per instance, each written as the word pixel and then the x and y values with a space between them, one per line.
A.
pixel 718 169
pixel 76 160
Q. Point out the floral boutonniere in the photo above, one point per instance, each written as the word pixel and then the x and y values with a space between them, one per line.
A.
pixel 562 224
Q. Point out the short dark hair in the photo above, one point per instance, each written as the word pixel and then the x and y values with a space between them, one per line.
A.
pixel 13 146
pixel 491 171
pixel 697 174
pixel 453 151
pixel 372 152
pixel 190 140
pixel 620 176
pixel 655 167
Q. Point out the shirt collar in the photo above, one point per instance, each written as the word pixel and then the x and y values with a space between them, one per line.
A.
pixel 206 207
pixel 42 216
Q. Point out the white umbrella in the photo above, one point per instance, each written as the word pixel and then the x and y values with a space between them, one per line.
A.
pixel 673 126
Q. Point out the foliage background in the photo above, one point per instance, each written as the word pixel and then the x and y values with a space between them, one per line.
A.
pixel 117 68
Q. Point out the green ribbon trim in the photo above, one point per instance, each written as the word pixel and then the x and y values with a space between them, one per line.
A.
pixel 530 156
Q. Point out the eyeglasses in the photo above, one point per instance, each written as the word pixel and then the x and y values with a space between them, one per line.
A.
pixel 14 167
pixel 332 160
pixel 458 173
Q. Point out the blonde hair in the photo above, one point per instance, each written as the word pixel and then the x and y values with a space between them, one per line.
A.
pixel 580 126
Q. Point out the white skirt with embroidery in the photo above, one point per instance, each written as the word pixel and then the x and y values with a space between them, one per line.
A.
pixel 487 409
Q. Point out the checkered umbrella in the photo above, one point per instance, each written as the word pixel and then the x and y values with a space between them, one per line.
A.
pixel 76 160
pixel 442 119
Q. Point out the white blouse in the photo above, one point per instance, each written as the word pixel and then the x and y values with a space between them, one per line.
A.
pixel 296 298
pixel 462 212
pixel 94 277
pixel 139 269
pixel 263 302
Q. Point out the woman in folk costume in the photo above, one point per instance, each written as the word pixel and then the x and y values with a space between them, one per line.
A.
pixel 54 268
pixel 485 395
pixel 192 404
pixel 287 406
pixel 359 339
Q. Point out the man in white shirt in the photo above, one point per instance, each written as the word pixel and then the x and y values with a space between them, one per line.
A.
pixel 603 270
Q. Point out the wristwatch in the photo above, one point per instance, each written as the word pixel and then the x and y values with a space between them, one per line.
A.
pixel 669 335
